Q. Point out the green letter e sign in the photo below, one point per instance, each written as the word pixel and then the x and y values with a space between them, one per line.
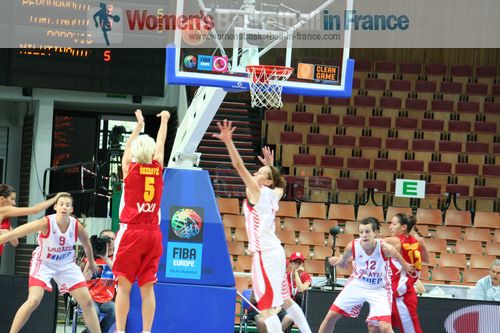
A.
pixel 410 188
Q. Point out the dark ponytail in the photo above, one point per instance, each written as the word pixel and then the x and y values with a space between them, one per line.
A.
pixel 407 220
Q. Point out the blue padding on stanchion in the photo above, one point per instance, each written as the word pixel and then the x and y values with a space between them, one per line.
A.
pixel 205 256
pixel 182 308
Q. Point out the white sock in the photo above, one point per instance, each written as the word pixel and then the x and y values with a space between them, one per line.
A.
pixel 273 324
pixel 298 318
pixel 120 331
pixel 146 331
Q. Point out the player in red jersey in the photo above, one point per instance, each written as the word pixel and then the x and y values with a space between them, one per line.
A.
pixel 8 209
pixel 54 258
pixel 138 245
pixel 413 250
pixel 369 281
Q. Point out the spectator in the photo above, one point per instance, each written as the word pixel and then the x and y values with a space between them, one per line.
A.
pixel 298 280
pixel 488 287
pixel 102 285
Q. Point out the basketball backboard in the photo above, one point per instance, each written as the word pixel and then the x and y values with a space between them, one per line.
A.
pixel 221 37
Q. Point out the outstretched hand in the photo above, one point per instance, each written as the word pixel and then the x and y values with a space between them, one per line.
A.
pixel 139 117
pixel 226 131
pixel 164 115
pixel 267 156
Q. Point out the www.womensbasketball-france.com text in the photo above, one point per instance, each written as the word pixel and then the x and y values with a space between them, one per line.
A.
pixel 269 37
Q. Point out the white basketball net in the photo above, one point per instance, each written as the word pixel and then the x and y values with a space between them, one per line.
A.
pixel 266 84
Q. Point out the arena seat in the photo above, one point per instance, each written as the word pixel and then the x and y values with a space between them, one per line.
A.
pixel 469 247
pixel 240 235
pixel 425 89
pixel 487 220
pixel 370 211
pixel 436 245
pixel 400 88
pixel 327 122
pixel 273 125
pixel 321 252
pixel 445 274
pixel 228 206
pixel 320 188
pixel 233 221
pixel 452 260
pixel 303 165
pixel 291 248
pixel 481 261
pixel 472 275
pixel 410 71
pixel 286 237
pixel 317 144
pixel 331 165
pixel 457 218
pixel 459 129
pixel 461 73
pixel 392 211
pixel 486 75
pixel 312 210
pixel 493 249
pixel 295 224
pixel 312 238
pixel 287 209
pixel 448 233
pixel 451 91
pixel 322 225
pixel 477 234
pixel 435 72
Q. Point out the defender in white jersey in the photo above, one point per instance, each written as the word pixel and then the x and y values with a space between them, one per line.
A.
pixel 370 280
pixel 54 258
pixel 263 191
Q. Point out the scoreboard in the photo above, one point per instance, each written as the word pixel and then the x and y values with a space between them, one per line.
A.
pixel 121 71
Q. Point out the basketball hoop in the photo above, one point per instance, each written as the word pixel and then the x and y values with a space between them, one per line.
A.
pixel 266 84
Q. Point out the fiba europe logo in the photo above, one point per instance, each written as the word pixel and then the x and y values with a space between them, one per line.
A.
pixel 186 223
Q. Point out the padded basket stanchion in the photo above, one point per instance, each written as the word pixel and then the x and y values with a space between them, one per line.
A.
pixel 266 84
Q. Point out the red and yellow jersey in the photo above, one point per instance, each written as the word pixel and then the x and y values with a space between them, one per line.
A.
pixel 141 197
pixel 410 251
pixel 5 224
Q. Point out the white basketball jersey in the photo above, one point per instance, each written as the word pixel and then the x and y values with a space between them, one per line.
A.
pixel 259 221
pixel 56 248
pixel 370 271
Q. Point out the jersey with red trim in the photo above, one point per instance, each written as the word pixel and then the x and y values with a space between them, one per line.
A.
pixel 259 221
pixel 56 248
pixel 370 271
pixel 5 224
pixel 410 251
pixel 141 197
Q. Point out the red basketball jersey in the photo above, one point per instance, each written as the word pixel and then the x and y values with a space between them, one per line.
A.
pixel 5 224
pixel 410 251
pixel 141 196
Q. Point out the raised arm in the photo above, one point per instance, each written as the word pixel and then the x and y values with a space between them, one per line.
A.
pixel 226 136
pixel 26 229
pixel 161 137
pixel 13 211
pixel 127 154
pixel 83 237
